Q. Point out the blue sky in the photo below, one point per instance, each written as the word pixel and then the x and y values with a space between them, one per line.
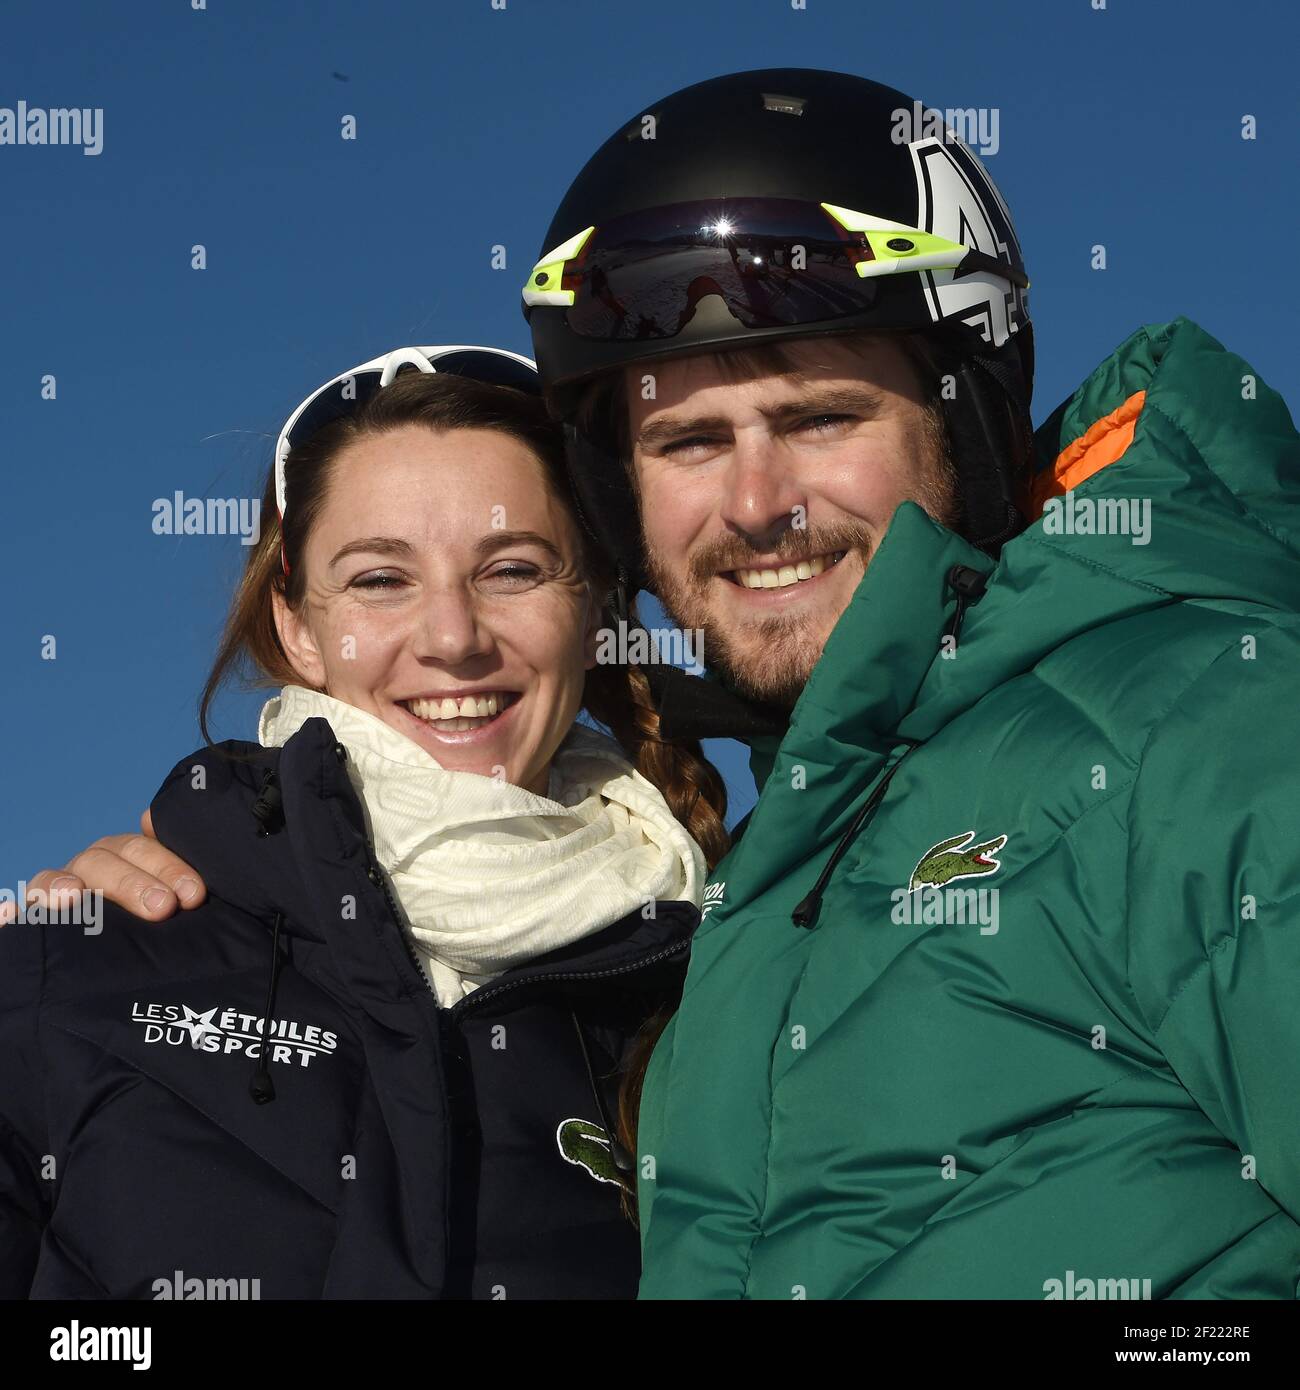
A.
pixel 222 128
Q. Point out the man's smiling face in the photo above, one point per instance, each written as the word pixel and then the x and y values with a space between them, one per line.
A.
pixel 763 499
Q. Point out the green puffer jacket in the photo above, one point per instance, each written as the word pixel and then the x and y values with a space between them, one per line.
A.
pixel 1069 1062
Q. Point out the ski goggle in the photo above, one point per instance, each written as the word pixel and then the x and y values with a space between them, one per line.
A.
pixel 351 390
pixel 775 262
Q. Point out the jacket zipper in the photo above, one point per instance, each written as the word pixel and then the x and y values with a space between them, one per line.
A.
pixel 491 991
pixel 449 1020
pixel 398 919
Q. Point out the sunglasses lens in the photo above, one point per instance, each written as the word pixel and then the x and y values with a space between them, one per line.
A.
pixel 492 367
pixel 332 403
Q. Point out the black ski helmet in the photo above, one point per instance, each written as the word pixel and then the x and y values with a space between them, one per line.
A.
pixel 777 204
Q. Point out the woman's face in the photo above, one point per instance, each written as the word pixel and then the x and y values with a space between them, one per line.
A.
pixel 444 594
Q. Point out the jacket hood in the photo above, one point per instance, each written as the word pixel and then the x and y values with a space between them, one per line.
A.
pixel 1174 420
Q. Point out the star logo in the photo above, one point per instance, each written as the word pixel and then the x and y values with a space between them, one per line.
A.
pixel 199 1024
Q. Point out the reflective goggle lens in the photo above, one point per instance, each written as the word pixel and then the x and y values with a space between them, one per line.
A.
pixel 775 263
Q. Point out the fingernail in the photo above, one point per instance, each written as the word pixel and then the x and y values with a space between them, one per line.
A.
pixel 187 888
pixel 63 881
pixel 154 899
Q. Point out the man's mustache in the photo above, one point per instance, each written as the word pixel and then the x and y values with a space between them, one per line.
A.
pixel 734 553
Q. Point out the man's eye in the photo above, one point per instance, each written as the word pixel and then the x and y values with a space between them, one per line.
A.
pixel 692 442
pixel 824 422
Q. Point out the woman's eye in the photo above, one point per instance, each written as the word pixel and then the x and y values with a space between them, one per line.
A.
pixel 377 581
pixel 514 575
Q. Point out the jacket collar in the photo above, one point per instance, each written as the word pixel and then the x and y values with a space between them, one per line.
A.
pixel 879 653
pixel 317 853
pixel 870 671
pixel 845 727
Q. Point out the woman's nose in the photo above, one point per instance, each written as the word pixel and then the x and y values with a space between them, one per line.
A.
pixel 451 628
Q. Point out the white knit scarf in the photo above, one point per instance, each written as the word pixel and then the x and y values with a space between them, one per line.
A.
pixel 490 875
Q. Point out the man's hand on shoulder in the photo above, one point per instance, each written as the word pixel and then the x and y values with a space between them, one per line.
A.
pixel 133 871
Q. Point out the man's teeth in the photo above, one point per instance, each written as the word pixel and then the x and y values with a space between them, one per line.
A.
pixel 454 716
pixel 785 575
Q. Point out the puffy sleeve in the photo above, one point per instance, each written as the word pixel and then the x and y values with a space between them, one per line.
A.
pixel 1214 899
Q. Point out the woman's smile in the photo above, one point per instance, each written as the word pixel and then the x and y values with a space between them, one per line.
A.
pixel 460 718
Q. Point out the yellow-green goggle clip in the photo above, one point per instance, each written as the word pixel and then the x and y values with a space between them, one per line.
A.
pixel 543 285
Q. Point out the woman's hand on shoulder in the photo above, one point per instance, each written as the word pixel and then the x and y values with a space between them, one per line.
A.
pixel 133 871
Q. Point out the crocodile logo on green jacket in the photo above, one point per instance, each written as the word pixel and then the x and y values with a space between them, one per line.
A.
pixel 587 1145
pixel 957 858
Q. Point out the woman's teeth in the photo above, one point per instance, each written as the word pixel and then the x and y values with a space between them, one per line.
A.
pixel 785 575
pixel 455 716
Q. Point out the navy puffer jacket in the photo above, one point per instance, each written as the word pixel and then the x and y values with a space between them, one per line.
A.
pixel 381 1147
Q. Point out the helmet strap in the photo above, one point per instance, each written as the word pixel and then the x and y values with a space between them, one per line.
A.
pixel 619 595
pixel 988 431
pixel 606 505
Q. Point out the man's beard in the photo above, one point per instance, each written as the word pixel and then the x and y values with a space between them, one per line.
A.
pixel 773 658
pixel 770 658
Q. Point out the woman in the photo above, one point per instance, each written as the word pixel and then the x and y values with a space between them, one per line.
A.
pixel 381 1059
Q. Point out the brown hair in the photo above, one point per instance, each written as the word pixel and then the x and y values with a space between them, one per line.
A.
pixel 616 696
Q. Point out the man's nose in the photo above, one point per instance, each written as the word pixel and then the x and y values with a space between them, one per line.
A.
pixel 761 498
pixel 451 628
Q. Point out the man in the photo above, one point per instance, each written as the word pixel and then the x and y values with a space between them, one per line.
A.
pixel 993 998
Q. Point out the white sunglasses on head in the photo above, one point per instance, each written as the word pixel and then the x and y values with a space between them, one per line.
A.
pixel 350 390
